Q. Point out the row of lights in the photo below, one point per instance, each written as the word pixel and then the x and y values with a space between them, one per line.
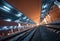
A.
pixel 9 27
pixel 8 8
pixel 5 8
pixel 44 6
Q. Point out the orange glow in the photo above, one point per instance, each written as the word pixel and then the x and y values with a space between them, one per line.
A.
pixel 37 20
pixel 30 8
pixel 37 24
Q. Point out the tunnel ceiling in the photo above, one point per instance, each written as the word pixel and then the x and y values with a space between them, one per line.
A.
pixel 10 14
pixel 46 7
pixel 30 8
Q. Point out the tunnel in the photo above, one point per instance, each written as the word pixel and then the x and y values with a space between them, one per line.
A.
pixel 29 20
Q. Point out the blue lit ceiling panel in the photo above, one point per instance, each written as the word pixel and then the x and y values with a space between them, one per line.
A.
pixel 9 13
pixel 46 7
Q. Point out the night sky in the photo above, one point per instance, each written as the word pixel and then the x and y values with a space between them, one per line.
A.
pixel 30 8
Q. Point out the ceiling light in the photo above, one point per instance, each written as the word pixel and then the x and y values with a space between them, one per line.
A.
pixel 44 6
pixel 27 19
pixel 19 14
pixel 18 20
pixel 11 27
pixel 5 28
pixel 43 10
pixel 7 20
pixel 6 7
pixel 24 17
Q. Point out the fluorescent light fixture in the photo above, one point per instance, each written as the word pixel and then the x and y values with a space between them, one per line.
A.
pixel 8 20
pixel 15 27
pixel 24 17
pixel 27 19
pixel 19 14
pixel 44 6
pixel 5 28
pixel 17 21
pixel 6 7
pixel 7 4
pixel 43 10
pixel 11 27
